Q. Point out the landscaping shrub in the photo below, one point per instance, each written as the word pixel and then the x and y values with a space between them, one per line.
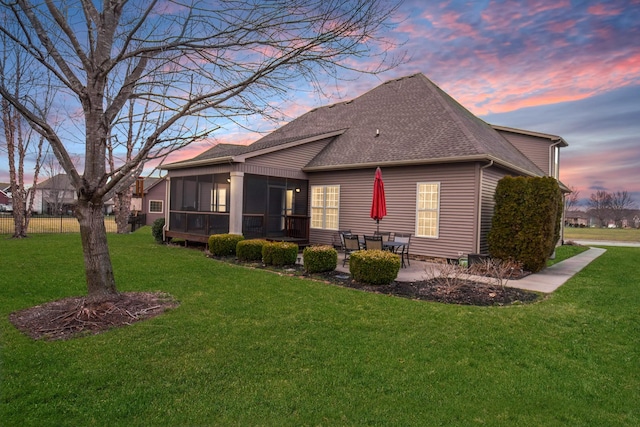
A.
pixel 279 253
pixel 318 259
pixel 526 221
pixel 156 229
pixel 250 250
pixel 224 244
pixel 374 267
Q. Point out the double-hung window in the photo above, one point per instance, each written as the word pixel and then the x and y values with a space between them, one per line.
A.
pixel 155 206
pixel 427 209
pixel 325 203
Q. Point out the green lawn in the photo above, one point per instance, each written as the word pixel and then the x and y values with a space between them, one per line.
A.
pixel 250 347
pixel 611 234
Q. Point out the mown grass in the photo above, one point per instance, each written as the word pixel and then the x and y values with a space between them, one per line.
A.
pixel 610 234
pixel 565 252
pixel 250 347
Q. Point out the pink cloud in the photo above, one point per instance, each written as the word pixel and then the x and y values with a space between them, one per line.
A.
pixel 601 9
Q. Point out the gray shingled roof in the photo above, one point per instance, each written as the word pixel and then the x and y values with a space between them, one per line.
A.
pixel 416 121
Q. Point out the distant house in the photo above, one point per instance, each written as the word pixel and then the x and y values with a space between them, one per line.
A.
pixel 314 175
pixel 576 219
pixel 54 196
pixel 151 202
pixel 5 197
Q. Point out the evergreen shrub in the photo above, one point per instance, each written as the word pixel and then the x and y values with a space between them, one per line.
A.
pixel 279 253
pixel 224 244
pixel 526 221
pixel 156 229
pixel 250 250
pixel 374 267
pixel 318 259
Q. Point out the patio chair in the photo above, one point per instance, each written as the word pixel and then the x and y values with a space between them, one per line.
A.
pixel 351 244
pixel 386 235
pixel 406 239
pixel 373 243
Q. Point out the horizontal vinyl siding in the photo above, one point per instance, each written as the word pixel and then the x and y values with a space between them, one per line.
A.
pixel 490 178
pixel 536 149
pixel 457 205
pixel 203 170
pixel 292 158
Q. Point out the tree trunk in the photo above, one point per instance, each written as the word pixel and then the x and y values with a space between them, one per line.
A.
pixel 101 283
pixel 19 215
pixel 121 210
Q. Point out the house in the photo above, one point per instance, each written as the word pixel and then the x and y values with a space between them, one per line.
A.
pixel 5 197
pixel 54 196
pixel 314 175
pixel 576 219
pixel 149 200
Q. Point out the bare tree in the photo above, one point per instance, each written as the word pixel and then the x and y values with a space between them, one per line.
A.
pixel 600 205
pixel 198 66
pixel 621 202
pixel 571 200
pixel 20 141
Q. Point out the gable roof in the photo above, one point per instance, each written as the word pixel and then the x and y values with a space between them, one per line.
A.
pixel 57 182
pixel 403 121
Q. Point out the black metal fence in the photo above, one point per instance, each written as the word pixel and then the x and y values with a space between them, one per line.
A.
pixel 51 224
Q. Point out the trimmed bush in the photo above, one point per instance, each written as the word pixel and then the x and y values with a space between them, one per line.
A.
pixel 156 229
pixel 250 250
pixel 526 221
pixel 318 259
pixel 224 244
pixel 374 267
pixel 279 253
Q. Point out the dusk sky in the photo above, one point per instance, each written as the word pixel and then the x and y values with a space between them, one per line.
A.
pixel 569 68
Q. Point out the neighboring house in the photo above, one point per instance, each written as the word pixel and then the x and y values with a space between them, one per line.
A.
pixel 5 197
pixel 54 196
pixel 314 176
pixel 576 219
pixel 151 202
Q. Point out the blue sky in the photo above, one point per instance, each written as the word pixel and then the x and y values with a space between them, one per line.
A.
pixel 570 68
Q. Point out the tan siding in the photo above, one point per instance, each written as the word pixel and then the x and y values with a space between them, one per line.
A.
pixel 204 170
pixel 536 149
pixel 457 205
pixel 490 178
pixel 158 192
pixel 292 158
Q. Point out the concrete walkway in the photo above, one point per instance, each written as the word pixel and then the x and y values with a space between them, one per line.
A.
pixel 548 280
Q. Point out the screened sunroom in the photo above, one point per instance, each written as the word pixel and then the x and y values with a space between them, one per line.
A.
pixel 255 206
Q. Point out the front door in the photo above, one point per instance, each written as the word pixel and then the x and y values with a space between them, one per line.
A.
pixel 276 210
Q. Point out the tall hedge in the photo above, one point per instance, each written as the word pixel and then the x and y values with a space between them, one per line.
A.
pixel 526 220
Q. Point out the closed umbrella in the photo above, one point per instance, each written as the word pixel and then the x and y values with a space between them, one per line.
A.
pixel 378 204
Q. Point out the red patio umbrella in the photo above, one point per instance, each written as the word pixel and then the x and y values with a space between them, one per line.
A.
pixel 378 204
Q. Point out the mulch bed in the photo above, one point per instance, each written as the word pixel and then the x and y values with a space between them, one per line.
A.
pixel 73 317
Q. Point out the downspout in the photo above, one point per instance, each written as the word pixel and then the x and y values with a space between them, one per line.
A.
pixel 167 199
pixel 479 216
pixel 556 176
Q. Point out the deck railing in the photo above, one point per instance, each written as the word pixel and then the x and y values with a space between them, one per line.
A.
pixel 202 223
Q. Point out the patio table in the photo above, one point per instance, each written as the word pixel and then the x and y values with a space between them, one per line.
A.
pixel 393 247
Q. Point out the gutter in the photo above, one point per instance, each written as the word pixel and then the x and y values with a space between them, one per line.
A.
pixel 418 162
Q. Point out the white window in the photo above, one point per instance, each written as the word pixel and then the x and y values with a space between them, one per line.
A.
pixel 325 203
pixel 155 206
pixel 427 209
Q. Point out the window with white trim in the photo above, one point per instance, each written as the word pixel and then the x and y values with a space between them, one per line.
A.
pixel 155 206
pixel 427 209
pixel 325 203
